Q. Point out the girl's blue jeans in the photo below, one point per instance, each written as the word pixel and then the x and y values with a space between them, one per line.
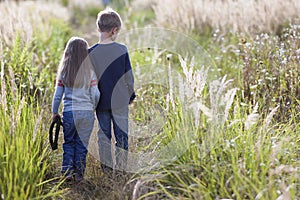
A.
pixel 119 119
pixel 77 129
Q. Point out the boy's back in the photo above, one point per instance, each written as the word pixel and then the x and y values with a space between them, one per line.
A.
pixel 113 69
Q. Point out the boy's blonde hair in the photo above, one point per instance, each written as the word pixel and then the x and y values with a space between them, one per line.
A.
pixel 108 19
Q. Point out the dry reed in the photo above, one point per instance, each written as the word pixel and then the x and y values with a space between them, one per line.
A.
pixel 82 4
pixel 252 118
pixel 250 16
pixel 3 101
pixel 221 96
pixel 24 17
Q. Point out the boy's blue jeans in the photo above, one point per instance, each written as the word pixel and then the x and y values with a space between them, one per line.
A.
pixel 119 119
pixel 77 128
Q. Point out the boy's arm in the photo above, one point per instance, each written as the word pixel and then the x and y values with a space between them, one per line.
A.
pixel 59 90
pixel 129 78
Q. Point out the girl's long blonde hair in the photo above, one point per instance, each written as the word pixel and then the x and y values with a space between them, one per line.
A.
pixel 75 66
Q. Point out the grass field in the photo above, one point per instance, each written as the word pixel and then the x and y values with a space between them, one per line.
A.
pixel 218 106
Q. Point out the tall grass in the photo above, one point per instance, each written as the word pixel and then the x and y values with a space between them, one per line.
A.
pixel 250 16
pixel 267 67
pixel 32 49
pixel 243 130
pixel 26 17
pixel 249 157
pixel 23 152
pixel 32 41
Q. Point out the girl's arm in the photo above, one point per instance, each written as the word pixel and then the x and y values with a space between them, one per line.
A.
pixel 59 91
pixel 95 94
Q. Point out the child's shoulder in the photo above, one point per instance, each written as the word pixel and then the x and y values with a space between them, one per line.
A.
pixel 121 46
pixel 93 47
pixel 111 46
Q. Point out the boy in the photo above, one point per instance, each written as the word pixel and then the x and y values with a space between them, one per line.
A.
pixel 116 84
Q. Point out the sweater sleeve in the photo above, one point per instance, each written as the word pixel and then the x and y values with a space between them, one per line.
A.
pixel 129 78
pixel 95 94
pixel 59 91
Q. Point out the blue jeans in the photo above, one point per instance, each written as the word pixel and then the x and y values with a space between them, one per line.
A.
pixel 77 129
pixel 119 119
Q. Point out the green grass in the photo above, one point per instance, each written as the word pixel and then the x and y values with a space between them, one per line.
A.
pixel 234 161
pixel 34 64
pixel 24 151
pixel 27 79
pixel 238 164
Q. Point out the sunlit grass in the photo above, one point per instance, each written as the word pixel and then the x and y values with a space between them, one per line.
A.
pixel 29 59
pixel 253 155
pixel 228 15
pixel 236 162
pixel 24 154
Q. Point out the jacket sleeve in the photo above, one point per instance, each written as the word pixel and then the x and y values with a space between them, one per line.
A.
pixel 59 91
pixel 129 78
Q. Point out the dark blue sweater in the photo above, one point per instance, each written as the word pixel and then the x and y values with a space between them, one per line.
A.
pixel 115 79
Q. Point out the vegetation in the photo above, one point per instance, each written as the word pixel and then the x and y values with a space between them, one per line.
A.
pixel 223 124
pixel 28 66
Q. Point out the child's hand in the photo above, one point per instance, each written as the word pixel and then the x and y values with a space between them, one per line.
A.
pixel 133 96
pixel 54 115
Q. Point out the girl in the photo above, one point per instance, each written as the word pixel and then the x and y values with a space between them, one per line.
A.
pixel 77 85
